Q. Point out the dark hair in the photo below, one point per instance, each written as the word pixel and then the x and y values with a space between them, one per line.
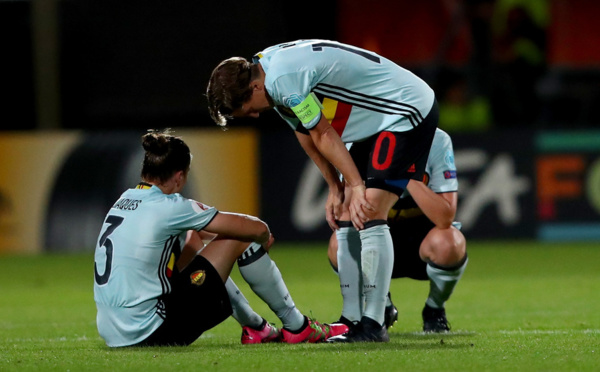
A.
pixel 165 155
pixel 228 88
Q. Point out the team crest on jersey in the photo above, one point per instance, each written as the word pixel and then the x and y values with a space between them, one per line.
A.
pixel 198 277
pixel 198 207
pixel 292 100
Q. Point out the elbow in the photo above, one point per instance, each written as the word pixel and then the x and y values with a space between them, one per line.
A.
pixel 444 224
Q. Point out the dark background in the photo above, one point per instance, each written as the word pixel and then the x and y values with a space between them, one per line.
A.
pixel 94 65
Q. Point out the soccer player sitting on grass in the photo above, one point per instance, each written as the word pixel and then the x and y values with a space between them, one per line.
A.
pixel 148 291
pixel 427 243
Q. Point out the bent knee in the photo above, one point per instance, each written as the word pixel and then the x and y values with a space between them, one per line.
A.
pixel 332 250
pixel 445 247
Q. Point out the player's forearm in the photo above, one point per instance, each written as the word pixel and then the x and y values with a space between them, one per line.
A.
pixel 327 169
pixel 332 148
pixel 436 207
pixel 240 227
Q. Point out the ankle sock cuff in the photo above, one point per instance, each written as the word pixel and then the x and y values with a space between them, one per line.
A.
pixel 448 268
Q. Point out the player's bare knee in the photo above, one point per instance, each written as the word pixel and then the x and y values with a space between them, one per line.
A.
pixel 443 246
pixel 381 201
pixel 332 250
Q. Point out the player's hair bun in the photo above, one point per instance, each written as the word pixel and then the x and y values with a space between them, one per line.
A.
pixel 156 142
pixel 165 154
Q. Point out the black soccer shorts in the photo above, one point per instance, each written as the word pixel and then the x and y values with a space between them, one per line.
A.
pixel 388 160
pixel 198 302
pixel 407 235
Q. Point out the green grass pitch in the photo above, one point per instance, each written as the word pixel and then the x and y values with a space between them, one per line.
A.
pixel 521 306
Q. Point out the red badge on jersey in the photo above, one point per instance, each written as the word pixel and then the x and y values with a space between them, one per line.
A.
pixel 198 207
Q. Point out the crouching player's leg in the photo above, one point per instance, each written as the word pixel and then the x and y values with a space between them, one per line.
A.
pixel 445 252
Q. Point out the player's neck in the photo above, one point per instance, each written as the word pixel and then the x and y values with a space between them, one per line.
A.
pixel 169 187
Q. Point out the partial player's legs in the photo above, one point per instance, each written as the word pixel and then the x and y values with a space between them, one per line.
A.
pixel 198 301
pixel 348 258
pixel 388 162
pixel 264 277
pixel 444 250
pixel 352 299
pixel 391 313
pixel 255 329
pixel 376 262
pixel 266 281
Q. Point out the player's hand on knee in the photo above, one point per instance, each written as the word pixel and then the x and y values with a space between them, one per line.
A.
pixel 358 207
pixel 334 208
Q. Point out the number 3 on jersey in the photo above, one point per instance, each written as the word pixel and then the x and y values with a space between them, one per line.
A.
pixel 113 222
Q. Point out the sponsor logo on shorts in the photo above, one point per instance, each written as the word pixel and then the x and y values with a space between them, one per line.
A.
pixel 198 277
pixel 412 169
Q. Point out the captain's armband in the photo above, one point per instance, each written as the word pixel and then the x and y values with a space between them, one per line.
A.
pixel 308 109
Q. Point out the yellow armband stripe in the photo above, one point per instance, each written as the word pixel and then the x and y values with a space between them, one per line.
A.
pixel 308 109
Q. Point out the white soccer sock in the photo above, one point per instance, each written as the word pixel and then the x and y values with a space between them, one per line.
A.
pixel 442 282
pixel 377 260
pixel 242 312
pixel 265 279
pixel 349 272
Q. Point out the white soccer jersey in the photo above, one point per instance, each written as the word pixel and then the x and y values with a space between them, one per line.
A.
pixel 361 92
pixel 135 255
pixel 440 167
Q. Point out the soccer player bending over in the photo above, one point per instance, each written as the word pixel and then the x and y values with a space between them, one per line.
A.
pixel 330 94
pixel 148 289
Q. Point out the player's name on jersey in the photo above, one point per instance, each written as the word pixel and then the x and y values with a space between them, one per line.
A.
pixel 127 204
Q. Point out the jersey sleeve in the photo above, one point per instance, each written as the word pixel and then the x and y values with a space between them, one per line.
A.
pixel 288 117
pixel 190 215
pixel 441 165
pixel 293 91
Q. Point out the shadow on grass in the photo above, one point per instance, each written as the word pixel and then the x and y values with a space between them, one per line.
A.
pixel 398 341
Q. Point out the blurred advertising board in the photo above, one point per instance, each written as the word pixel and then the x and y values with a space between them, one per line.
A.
pixel 29 167
pixel 496 184
pixel 512 185
pixel 56 188
pixel 568 187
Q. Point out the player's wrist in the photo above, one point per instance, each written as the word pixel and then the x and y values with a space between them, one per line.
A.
pixel 358 186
